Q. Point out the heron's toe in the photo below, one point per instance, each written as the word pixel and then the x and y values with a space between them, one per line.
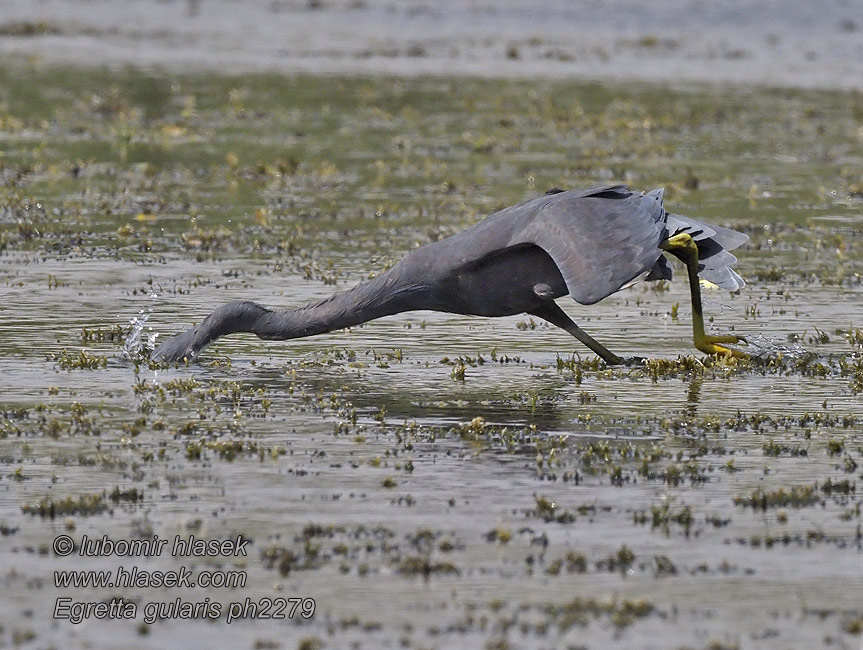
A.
pixel 711 347
pixel 729 338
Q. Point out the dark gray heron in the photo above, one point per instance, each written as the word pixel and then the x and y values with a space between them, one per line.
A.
pixel 585 243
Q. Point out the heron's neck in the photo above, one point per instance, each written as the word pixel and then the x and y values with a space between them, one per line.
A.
pixel 382 296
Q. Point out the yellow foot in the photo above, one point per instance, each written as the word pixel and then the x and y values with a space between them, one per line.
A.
pixel 710 345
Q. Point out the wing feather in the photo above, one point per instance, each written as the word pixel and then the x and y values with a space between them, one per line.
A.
pixel 600 239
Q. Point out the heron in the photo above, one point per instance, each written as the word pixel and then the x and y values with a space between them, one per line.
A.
pixel 587 243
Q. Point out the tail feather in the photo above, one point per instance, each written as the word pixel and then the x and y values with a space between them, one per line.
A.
pixel 725 237
pixel 722 260
pixel 713 243
pixel 724 277
pixel 729 239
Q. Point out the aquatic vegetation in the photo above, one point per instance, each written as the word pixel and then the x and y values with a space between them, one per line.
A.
pixel 797 496
pixel 81 361
pixel 85 505
pixel 580 611
pixel 662 516
pixel 620 561
pixel 422 566
pixel 571 562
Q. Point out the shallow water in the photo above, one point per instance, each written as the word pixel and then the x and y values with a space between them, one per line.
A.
pixel 419 509
pixel 772 43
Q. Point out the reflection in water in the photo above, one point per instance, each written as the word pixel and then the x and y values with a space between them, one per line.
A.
pixel 693 396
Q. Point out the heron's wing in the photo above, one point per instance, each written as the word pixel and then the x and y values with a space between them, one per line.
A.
pixel 600 239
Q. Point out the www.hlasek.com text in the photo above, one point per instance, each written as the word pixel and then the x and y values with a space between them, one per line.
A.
pixel 124 577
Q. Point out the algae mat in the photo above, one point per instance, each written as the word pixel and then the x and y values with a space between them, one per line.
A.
pixel 425 480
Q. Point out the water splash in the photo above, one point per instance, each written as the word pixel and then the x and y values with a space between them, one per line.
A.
pixel 141 339
pixel 762 347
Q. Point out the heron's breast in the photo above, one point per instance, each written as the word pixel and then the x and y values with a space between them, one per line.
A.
pixel 504 284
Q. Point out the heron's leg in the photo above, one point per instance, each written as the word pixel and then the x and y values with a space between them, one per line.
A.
pixel 683 247
pixel 556 316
